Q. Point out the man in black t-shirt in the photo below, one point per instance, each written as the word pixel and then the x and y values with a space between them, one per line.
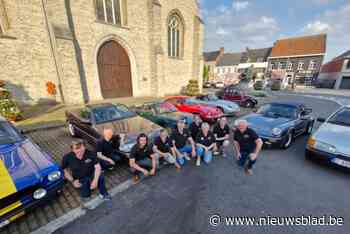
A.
pixel 205 144
pixel 183 143
pixel 107 148
pixel 195 126
pixel 82 169
pixel 222 135
pixel 247 145
pixel 142 158
pixel 162 146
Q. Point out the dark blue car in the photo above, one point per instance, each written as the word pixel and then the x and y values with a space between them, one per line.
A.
pixel 279 123
pixel 28 176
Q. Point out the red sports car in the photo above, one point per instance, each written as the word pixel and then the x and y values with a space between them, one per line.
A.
pixel 184 104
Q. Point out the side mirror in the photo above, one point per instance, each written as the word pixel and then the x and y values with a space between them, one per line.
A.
pixel 322 120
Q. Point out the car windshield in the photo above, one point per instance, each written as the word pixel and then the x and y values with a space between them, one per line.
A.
pixel 213 98
pixel 110 113
pixel 166 107
pixel 342 117
pixel 8 134
pixel 278 110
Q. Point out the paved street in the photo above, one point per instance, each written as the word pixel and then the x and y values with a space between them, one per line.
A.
pixel 283 184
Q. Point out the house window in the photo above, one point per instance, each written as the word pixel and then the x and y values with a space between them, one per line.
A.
pixel 175 31
pixel 348 65
pixel 281 66
pixel 300 66
pixel 108 11
pixel 229 70
pixel 312 65
pixel 290 66
pixel 272 66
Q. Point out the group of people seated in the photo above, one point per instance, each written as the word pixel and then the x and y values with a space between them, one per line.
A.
pixel 83 168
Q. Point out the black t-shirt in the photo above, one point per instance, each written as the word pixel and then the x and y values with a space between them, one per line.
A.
pixel 139 154
pixel 107 148
pixel 180 139
pixel 205 140
pixel 221 132
pixel 80 168
pixel 246 140
pixel 194 128
pixel 164 147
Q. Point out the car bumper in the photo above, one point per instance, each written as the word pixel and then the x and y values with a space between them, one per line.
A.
pixel 332 159
pixel 19 211
pixel 271 141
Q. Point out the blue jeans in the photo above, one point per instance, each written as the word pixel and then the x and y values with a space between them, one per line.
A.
pixel 144 163
pixel 207 157
pixel 186 149
pixel 106 165
pixel 242 161
pixel 85 190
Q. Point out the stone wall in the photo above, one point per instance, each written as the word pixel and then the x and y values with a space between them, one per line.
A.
pixel 26 61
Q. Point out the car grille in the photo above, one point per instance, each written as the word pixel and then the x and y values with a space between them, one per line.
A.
pixel 13 198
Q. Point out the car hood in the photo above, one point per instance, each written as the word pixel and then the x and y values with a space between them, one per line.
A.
pixel 263 125
pixel 25 164
pixel 335 135
pixel 177 115
pixel 132 127
pixel 225 104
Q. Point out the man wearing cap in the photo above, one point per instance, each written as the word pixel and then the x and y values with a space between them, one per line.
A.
pixel 247 145
pixel 183 144
pixel 81 168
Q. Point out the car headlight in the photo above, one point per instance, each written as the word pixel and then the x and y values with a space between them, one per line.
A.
pixel 126 147
pixel 322 146
pixel 39 193
pixel 53 176
pixel 276 131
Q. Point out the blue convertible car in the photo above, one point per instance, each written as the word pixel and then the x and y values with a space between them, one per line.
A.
pixel 280 122
pixel 28 176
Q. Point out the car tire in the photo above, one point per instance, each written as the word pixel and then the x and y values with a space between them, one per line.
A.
pixel 307 156
pixel 249 104
pixel 72 130
pixel 287 140
pixel 222 109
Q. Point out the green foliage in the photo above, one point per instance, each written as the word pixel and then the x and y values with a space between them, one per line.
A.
pixel 192 89
pixel 258 94
pixel 249 74
pixel 9 110
pixel 258 85
pixel 4 93
pixel 205 73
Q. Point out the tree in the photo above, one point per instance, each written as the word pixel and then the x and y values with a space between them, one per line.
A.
pixel 205 73
pixel 248 74
pixel 192 89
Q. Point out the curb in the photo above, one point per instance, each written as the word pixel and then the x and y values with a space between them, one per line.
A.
pixel 79 212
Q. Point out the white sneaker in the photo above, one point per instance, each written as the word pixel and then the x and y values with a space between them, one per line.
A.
pixel 187 158
pixel 198 163
pixel 216 153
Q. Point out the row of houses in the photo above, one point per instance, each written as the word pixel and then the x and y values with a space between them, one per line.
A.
pixel 297 60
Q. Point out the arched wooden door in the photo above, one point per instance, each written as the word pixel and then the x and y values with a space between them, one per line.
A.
pixel 114 71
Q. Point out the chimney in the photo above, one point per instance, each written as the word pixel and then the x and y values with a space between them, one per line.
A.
pixel 222 50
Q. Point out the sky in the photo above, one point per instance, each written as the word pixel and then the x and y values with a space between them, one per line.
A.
pixel 237 24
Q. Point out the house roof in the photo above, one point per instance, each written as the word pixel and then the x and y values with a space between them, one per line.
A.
pixel 211 56
pixel 229 59
pixel 252 55
pixel 343 55
pixel 336 64
pixel 306 45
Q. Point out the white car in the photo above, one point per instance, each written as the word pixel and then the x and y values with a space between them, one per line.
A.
pixel 219 85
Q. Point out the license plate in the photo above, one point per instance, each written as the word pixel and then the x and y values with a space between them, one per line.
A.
pixel 341 162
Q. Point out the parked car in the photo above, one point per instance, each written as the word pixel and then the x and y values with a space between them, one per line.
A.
pixel 231 93
pixel 207 84
pixel 227 107
pixel 330 142
pixel 88 123
pixel 279 123
pixel 259 85
pixel 28 175
pixel 219 85
pixel 164 114
pixel 276 85
pixel 185 104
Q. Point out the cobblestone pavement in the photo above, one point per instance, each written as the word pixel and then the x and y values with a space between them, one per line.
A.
pixel 56 141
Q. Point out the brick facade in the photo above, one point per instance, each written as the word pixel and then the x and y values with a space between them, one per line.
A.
pixel 58 41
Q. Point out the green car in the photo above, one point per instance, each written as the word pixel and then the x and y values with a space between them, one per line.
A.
pixel 164 114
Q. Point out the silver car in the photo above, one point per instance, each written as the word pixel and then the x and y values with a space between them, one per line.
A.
pixel 227 107
pixel 331 142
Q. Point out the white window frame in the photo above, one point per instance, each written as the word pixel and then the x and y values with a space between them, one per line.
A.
pixel 272 66
pixel 312 65
pixel 300 66
pixel 177 32
pixel 290 66
pixel 113 12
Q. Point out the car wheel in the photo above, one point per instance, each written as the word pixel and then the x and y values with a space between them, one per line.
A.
pixel 307 156
pixel 71 130
pixel 287 141
pixel 249 104
pixel 222 109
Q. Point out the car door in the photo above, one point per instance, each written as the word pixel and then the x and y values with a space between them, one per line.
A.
pixel 85 126
pixel 300 122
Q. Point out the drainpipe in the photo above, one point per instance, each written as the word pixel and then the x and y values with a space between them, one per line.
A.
pixel 53 51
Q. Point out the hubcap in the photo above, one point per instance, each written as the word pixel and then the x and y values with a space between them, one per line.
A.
pixel 71 129
pixel 289 140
